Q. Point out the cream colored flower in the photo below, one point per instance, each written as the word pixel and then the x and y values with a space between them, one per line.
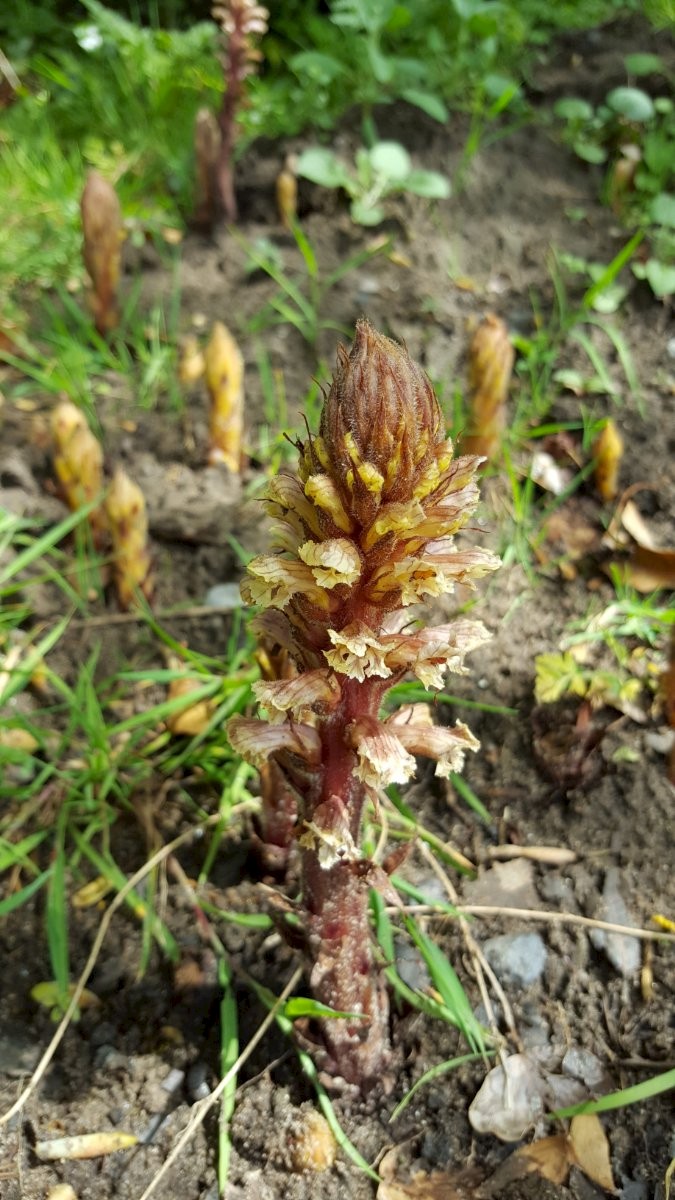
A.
pixel 322 491
pixel 273 580
pixel 257 740
pixel 429 653
pixel 358 653
pixel 335 561
pixel 299 694
pixel 381 756
pixel 417 733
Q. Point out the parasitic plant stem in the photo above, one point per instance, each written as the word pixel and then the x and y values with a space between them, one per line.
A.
pixel 365 531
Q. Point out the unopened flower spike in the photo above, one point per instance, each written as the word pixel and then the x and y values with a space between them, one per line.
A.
pixel 363 531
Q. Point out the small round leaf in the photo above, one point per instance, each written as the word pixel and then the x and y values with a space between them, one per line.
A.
pixel 632 103
pixel 391 160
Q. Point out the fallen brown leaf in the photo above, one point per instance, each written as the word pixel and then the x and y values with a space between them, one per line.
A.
pixel 590 1148
pixel 649 570
pixel 549 1157
pixel 439 1186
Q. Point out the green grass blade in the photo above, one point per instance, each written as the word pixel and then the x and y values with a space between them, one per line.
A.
pixel 15 901
pixel 57 912
pixel 631 1095
pixel 475 804
pixel 612 269
pixel 446 981
pixel 117 879
pixel 450 1064
pixel 229 1053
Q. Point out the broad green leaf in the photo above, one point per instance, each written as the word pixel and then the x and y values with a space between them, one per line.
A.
pixel 660 276
pixel 428 183
pixel 573 108
pixel 632 103
pixel 662 209
pixel 321 68
pixel 391 160
pixel 591 152
pixel 557 675
pixel 432 105
pixel 643 64
pixel 322 167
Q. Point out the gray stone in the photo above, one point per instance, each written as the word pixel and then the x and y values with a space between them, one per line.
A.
pixel 583 1065
pixel 622 950
pixel 224 595
pixel 517 958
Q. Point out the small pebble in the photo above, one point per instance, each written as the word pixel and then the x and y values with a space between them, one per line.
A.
pixel 224 595
pixel 173 1080
pixel 108 1058
pixel 411 966
pixel 62 1191
pixel 623 951
pixel 197 1084
pixel 583 1065
pixel 102 1034
pixel 518 958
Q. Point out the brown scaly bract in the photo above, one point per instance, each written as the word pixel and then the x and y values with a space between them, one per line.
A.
pixel 364 530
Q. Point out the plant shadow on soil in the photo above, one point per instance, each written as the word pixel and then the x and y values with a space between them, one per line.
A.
pixel 498 232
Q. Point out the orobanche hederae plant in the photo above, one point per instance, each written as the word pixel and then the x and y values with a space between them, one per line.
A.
pixel 364 531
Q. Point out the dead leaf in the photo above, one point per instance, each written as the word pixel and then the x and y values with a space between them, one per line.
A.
pixel 460 1185
pixel 568 528
pixel 549 1157
pixel 91 893
pixel 649 570
pixel 635 525
pixel 650 567
pixel 589 1145
pixel 193 719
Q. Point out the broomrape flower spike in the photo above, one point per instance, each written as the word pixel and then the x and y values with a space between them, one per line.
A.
pixel 364 530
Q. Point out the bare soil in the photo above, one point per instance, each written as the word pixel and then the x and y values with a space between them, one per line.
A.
pixel 489 249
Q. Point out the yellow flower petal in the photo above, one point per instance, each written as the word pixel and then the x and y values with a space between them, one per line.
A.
pixel 321 490
pixel 335 561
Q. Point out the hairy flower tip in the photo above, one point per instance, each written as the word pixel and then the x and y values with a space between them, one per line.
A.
pixel 380 425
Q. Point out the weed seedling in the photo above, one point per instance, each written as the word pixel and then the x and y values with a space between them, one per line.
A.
pixel 384 169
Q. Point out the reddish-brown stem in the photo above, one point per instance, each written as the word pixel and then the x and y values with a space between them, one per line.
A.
pixel 227 117
pixel 344 973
